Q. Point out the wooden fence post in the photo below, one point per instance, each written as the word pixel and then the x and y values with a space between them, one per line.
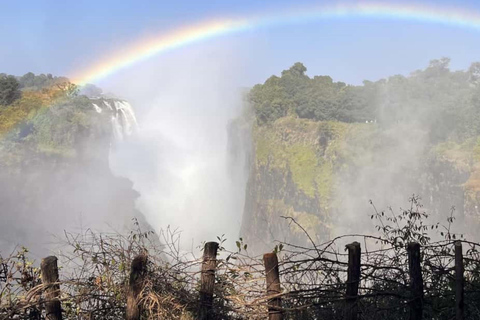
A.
pixel 34 314
pixel 416 281
pixel 138 271
pixel 459 281
pixel 49 271
pixel 270 261
pixel 353 281
pixel 207 284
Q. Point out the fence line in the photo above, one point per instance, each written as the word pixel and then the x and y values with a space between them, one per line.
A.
pixel 314 282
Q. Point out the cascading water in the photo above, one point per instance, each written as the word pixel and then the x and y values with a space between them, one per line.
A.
pixel 129 119
pixel 97 108
pixel 124 122
pixel 178 159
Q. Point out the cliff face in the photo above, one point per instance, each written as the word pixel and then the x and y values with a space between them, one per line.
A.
pixel 326 155
pixel 292 167
pixel 459 179
pixel 55 174
pixel 323 174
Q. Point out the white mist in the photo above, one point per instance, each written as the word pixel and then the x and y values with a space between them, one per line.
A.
pixel 178 159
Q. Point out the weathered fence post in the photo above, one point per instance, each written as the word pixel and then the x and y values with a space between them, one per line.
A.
pixel 353 281
pixel 459 281
pixel 50 279
pixel 207 284
pixel 34 314
pixel 270 261
pixel 138 271
pixel 416 281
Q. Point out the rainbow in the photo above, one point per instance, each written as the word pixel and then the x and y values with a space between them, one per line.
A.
pixel 147 48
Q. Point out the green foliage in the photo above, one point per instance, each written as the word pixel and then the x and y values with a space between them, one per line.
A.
pixel 317 98
pixel 445 102
pixel 69 89
pixel 22 110
pixel 59 128
pixel 312 151
pixel 53 121
pixel 32 82
pixel 9 90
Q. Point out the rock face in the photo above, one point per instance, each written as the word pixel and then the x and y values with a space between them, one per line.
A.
pixel 322 149
pixel 323 174
pixel 55 176
pixel 290 175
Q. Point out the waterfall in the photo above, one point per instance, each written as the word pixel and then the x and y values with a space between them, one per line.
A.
pixel 124 122
pixel 117 129
pixel 129 111
pixel 97 108
pixel 108 105
pixel 129 121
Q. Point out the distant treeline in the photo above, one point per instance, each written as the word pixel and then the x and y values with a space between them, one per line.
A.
pixel 446 102
pixel 37 82
pixel 11 87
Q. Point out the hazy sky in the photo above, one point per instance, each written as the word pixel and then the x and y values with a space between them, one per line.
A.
pixel 59 37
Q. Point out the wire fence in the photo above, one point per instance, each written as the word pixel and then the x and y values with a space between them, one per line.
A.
pixel 399 274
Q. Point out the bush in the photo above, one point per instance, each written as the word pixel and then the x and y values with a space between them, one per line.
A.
pixel 9 90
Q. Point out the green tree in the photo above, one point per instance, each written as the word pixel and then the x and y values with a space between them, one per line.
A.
pixel 9 90
pixel 474 72
pixel 68 88
pixel 27 80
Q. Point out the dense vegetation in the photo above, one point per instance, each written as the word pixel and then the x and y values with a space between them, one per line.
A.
pixel 97 274
pixel 316 159
pixel 43 113
pixel 435 96
pixel 316 98
pixel 54 164
pixel 9 89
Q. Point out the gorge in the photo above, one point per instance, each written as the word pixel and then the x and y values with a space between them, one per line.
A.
pixel 310 149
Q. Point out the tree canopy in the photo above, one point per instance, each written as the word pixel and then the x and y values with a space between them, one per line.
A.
pixel 9 90
pixel 318 98
pixel 446 102
pixel 30 81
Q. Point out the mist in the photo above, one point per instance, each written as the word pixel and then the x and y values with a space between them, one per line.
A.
pixel 179 159
pixel 185 168
pixel 74 168
pixel 402 159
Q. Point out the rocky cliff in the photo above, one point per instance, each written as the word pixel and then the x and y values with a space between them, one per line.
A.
pixel 315 158
pixel 323 175
pixel 55 172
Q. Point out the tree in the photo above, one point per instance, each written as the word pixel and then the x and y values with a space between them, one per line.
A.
pixel 474 72
pixel 9 90
pixel 27 80
pixel 298 68
pixel 437 68
pixel 68 88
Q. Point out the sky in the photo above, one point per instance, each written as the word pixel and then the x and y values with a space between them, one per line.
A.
pixel 49 36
